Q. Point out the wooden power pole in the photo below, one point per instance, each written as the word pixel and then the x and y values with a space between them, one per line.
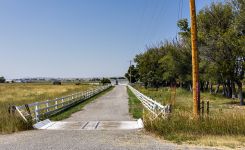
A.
pixel 195 79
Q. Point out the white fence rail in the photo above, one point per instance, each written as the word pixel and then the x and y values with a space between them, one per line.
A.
pixel 154 107
pixel 49 107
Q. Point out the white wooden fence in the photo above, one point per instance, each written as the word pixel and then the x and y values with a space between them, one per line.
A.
pixel 154 107
pixel 49 107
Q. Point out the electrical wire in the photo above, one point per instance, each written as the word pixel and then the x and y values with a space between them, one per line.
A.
pixel 180 13
pixel 154 23
pixel 151 19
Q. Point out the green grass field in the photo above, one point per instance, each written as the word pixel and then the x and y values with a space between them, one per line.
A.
pixel 25 93
pixel 224 126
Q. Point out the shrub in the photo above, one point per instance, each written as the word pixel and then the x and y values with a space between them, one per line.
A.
pixel 105 81
pixel 77 83
pixel 57 83
pixel 2 79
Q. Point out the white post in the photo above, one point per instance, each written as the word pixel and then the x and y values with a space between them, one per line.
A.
pixel 62 100
pixel 47 105
pixel 36 112
pixel 67 100
pixel 20 113
pixel 56 102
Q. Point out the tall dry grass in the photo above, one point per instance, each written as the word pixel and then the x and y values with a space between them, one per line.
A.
pixel 182 126
pixel 25 93
pixel 225 118
pixel 209 130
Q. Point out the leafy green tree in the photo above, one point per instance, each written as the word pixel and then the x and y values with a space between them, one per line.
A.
pixel 239 25
pixel 221 46
pixel 185 31
pixel 176 64
pixel 239 12
pixel 149 68
pixel 133 72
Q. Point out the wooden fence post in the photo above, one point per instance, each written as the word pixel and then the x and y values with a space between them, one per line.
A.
pixel 11 110
pixel 170 108
pixel 207 107
pixel 202 107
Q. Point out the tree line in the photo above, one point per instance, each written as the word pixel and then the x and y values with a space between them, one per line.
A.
pixel 221 44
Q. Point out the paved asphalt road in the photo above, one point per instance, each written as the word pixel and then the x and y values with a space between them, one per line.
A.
pixel 112 106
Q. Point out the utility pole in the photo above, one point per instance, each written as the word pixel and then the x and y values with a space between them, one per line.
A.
pixel 130 72
pixel 195 80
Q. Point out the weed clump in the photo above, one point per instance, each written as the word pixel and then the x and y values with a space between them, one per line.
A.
pixel 181 126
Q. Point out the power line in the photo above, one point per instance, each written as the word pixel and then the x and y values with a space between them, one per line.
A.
pixel 181 8
pixel 161 14
pixel 180 13
pixel 158 10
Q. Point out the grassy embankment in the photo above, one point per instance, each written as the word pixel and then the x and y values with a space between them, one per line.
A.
pixel 225 125
pixel 135 106
pixel 25 93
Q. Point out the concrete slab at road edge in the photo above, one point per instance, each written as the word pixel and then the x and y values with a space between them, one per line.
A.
pixel 42 124
pixel 89 125
pixel 140 123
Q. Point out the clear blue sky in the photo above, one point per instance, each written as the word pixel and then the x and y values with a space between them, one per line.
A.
pixel 82 38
